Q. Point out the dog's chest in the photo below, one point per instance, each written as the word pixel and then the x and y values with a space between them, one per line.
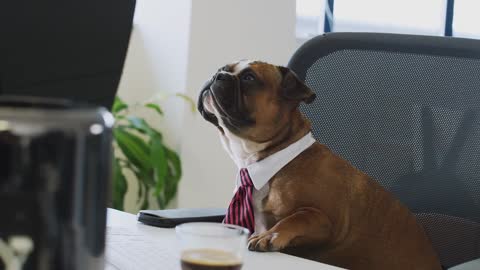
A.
pixel 261 217
pixel 264 216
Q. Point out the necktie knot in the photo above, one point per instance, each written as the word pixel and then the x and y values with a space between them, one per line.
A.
pixel 245 179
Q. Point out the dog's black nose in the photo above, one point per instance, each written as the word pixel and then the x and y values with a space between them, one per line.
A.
pixel 222 76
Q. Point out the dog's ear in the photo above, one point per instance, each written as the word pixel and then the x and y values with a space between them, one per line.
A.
pixel 294 89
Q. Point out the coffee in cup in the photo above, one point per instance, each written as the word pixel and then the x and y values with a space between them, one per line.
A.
pixel 211 246
pixel 209 259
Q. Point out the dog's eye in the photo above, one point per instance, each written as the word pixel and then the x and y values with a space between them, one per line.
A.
pixel 248 77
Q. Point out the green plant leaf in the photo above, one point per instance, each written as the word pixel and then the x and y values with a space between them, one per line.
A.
pixel 133 147
pixel 189 100
pixel 119 185
pixel 174 174
pixel 118 105
pixel 174 161
pixel 155 166
pixel 143 179
pixel 143 127
pixel 170 187
pixel 160 164
pixel 161 202
pixel 139 173
pixel 140 191
pixel 155 107
pixel 119 117
pixel 145 203
pixel 138 124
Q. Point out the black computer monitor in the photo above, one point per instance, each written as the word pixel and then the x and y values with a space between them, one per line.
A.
pixel 64 48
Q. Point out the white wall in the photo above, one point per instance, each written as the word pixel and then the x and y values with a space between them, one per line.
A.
pixel 176 46
pixel 156 64
pixel 223 31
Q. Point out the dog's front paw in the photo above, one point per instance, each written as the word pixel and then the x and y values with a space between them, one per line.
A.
pixel 268 241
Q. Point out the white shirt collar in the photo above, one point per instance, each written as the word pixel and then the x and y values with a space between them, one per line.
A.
pixel 262 171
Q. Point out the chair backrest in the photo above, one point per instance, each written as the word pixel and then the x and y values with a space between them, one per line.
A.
pixel 406 110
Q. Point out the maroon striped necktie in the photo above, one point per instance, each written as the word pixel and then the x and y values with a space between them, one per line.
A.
pixel 240 210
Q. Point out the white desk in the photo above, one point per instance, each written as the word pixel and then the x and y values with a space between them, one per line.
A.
pixel 133 246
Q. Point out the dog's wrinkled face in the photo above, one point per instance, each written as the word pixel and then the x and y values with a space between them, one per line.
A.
pixel 252 99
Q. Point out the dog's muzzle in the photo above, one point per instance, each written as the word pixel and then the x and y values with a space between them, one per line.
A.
pixel 227 98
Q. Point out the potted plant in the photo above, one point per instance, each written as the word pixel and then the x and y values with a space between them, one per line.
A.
pixel 140 149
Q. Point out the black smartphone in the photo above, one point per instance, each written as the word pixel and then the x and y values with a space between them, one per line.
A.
pixel 172 217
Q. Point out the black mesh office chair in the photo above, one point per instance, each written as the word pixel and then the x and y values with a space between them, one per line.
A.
pixel 406 110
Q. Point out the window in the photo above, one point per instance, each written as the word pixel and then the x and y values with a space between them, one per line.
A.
pixel 405 16
pixel 310 18
pixel 423 17
pixel 466 20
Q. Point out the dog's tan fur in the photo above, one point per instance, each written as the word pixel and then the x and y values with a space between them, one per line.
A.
pixel 319 206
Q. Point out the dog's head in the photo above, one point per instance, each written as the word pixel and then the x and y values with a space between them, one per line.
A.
pixel 252 99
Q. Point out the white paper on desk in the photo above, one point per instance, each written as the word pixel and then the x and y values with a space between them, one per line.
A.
pixel 127 249
pixel 121 231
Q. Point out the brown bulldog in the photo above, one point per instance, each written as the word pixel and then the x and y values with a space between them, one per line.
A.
pixel 317 206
